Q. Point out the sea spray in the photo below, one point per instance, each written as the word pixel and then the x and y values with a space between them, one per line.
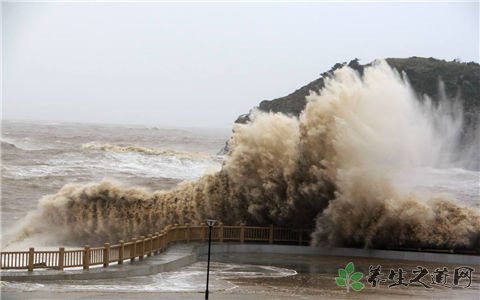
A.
pixel 332 169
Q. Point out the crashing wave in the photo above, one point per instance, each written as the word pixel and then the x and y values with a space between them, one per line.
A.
pixel 331 169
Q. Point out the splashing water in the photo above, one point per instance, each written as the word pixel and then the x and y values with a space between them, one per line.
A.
pixel 342 167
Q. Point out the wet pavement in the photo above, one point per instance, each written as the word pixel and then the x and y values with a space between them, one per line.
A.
pixel 254 276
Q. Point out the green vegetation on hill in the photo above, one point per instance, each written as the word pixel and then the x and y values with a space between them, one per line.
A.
pixel 460 79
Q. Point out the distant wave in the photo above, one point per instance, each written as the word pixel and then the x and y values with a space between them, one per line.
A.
pixel 8 145
pixel 144 150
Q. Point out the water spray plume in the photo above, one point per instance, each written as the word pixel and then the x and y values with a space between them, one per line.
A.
pixel 336 168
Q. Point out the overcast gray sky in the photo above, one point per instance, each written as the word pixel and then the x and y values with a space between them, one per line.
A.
pixel 202 65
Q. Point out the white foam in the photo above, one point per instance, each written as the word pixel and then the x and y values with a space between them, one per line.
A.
pixel 460 184
pixel 110 164
pixel 189 279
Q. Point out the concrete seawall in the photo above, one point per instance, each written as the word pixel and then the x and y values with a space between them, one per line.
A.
pixel 181 255
pixel 177 256
pixel 350 252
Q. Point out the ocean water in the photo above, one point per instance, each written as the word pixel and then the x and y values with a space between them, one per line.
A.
pixel 389 172
pixel 375 167
pixel 38 158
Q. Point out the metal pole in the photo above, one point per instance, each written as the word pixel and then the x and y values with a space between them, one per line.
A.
pixel 208 261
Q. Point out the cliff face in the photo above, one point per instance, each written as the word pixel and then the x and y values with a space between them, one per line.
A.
pixel 461 80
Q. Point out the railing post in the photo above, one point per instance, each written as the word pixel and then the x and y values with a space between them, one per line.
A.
pixel 220 232
pixel 86 257
pixel 196 236
pixel 150 250
pixel 121 252
pixel 161 241
pixel 187 232
pixel 242 233
pixel 170 235
pixel 270 234
pixel 300 238
pixel 31 255
pixel 133 251
pixel 157 243
pixel 204 232
pixel 166 236
pixel 175 233
pixel 61 258
pixel 106 255
pixel 142 247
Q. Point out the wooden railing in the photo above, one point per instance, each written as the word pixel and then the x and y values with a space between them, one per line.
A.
pixel 138 248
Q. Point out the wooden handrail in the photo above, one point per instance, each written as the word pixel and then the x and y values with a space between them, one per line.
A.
pixel 138 248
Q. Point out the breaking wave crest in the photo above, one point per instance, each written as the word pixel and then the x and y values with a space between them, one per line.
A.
pixel 331 169
pixel 143 150
pixel 7 145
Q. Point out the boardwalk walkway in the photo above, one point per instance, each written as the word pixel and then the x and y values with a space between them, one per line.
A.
pixel 184 254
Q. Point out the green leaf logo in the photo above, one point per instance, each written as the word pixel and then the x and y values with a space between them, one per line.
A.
pixel 349 278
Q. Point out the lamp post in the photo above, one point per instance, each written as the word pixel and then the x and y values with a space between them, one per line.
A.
pixel 210 224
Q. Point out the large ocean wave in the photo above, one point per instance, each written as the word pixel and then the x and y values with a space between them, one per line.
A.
pixel 333 169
